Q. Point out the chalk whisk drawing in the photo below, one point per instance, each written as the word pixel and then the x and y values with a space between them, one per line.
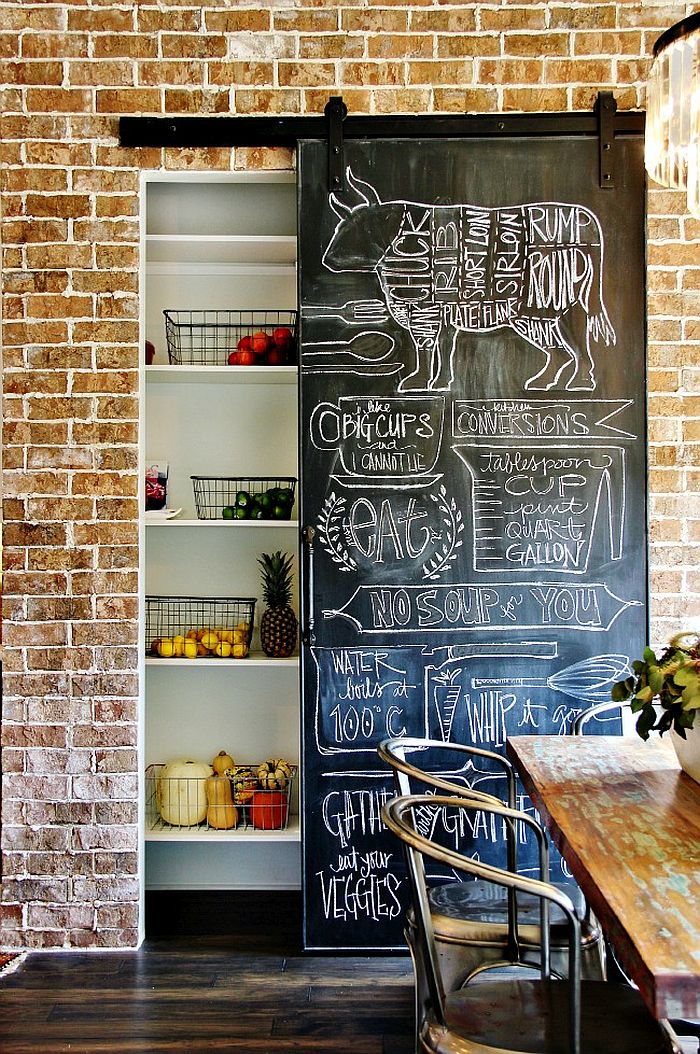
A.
pixel 447 269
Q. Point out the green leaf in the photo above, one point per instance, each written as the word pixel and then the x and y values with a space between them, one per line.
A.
pixel 649 657
pixel 687 675
pixel 665 721
pixel 638 666
pixel 656 679
pixel 645 695
pixel 692 701
pixel 645 721
pixel 622 690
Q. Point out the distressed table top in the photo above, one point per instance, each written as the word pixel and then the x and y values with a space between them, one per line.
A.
pixel 627 822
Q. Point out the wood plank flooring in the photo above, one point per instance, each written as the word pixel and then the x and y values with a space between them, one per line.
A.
pixel 232 977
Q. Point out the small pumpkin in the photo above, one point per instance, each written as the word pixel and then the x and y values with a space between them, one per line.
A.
pixel 222 814
pixel 274 774
pixel 244 783
pixel 181 792
pixel 269 809
pixel 221 762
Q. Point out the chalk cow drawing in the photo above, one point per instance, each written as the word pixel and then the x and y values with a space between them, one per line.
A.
pixel 446 269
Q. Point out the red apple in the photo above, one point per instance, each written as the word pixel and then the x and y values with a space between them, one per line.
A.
pixel 282 337
pixel 234 358
pixel 247 358
pixel 277 356
pixel 245 344
pixel 150 353
pixel 260 342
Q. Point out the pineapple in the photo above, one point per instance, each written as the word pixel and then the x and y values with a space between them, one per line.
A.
pixel 278 626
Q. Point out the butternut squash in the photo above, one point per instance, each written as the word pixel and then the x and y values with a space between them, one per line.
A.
pixel 221 812
pixel 221 762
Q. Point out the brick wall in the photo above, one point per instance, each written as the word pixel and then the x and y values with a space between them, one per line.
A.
pixel 70 335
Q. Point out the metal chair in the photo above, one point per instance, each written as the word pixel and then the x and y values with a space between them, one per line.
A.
pixel 580 722
pixel 514 1012
pixel 470 918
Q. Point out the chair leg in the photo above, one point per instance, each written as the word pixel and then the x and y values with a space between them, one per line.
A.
pixel 685 1029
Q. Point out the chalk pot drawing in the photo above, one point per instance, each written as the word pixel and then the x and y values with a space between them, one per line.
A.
pixel 382 441
pixel 536 269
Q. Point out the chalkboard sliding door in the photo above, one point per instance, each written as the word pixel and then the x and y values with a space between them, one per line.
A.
pixel 473 471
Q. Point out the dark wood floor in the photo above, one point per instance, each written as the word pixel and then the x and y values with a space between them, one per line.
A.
pixel 232 978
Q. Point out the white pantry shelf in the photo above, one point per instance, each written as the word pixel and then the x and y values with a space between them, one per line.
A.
pixel 164 833
pixel 255 658
pixel 221 248
pixel 172 374
pixel 237 524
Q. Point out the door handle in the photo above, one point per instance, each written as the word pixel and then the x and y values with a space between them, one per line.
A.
pixel 307 633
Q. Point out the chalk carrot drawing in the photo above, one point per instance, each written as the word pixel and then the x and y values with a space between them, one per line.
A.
pixel 444 269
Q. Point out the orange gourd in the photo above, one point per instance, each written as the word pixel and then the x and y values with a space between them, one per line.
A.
pixel 222 814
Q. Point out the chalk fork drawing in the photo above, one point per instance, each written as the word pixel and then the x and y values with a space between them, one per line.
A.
pixel 447 269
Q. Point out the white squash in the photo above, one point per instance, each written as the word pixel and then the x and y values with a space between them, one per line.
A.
pixel 182 792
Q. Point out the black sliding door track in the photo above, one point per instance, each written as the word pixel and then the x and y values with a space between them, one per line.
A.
pixel 286 131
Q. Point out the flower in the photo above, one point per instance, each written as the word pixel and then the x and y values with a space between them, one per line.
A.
pixel 665 692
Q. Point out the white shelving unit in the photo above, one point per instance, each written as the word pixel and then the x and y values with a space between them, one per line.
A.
pixel 217 241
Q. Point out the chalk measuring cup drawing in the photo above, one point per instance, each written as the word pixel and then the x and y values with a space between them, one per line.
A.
pixel 382 441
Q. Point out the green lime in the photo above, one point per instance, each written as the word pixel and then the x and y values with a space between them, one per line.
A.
pixel 280 512
pixel 265 501
pixel 286 496
pixel 241 513
pixel 228 512
pixel 243 499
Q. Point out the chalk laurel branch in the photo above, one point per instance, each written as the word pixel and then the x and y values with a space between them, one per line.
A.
pixel 329 528
pixel 451 516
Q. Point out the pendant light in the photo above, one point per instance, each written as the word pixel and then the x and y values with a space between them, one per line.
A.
pixel 672 137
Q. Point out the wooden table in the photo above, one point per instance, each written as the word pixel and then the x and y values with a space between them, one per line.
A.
pixel 627 822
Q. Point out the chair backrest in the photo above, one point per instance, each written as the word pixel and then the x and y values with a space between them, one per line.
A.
pixel 394 753
pixel 407 773
pixel 398 815
pixel 579 724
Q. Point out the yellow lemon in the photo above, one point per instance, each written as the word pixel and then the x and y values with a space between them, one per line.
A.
pixel 178 646
pixel 227 635
pixel 239 651
pixel 223 649
pixel 189 648
pixel 210 639
pixel 242 626
pixel 201 650
pixel 192 634
pixel 165 648
pixel 240 636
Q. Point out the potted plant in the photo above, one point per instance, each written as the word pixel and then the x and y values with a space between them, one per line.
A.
pixel 665 693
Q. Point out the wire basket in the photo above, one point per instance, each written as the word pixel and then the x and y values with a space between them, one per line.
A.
pixel 199 627
pixel 244 497
pixel 213 338
pixel 184 802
